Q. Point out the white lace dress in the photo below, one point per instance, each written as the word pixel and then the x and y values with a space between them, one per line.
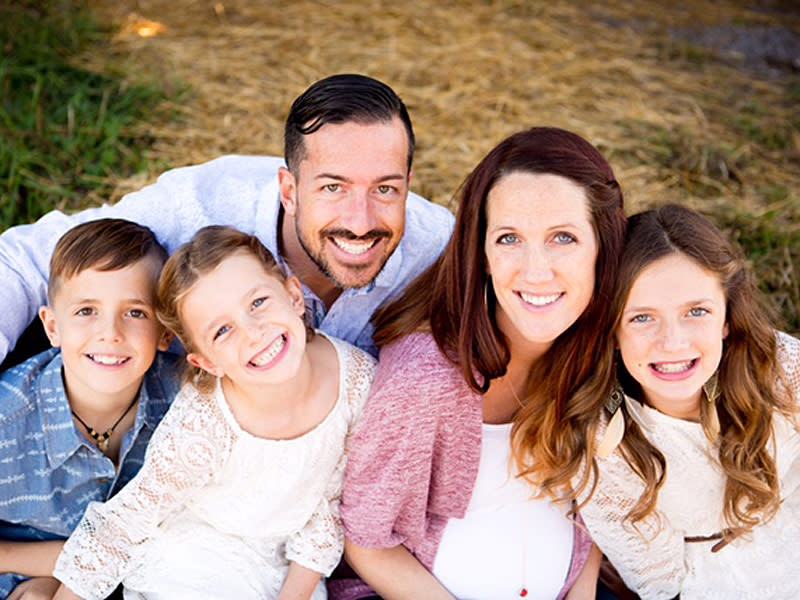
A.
pixel 656 562
pixel 216 512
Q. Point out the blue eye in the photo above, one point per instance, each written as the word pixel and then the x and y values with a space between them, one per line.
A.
pixel 640 319
pixel 698 312
pixel 258 302
pixel 564 238
pixel 221 331
pixel 507 239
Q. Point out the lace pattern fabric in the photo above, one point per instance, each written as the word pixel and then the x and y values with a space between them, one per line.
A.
pixel 652 556
pixel 217 512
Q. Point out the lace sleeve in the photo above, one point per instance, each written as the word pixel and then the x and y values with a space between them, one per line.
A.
pixel 319 545
pixel 648 556
pixel 188 448
pixel 789 359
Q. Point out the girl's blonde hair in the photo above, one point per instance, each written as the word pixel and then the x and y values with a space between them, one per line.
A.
pixel 751 380
pixel 202 254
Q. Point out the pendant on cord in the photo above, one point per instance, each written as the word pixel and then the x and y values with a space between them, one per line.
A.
pixel 523 592
pixel 101 439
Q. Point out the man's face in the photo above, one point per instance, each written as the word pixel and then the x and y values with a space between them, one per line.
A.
pixel 348 198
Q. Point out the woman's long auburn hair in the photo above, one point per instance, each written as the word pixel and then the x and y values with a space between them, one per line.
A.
pixel 453 300
pixel 751 382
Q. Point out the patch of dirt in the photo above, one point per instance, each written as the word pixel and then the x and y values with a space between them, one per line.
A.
pixel 765 50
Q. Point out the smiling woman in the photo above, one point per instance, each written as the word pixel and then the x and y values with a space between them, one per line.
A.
pixel 487 347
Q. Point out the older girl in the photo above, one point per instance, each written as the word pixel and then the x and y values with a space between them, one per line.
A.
pixel 701 496
pixel 504 326
pixel 238 496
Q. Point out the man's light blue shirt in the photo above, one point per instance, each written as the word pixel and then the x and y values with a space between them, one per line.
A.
pixel 49 471
pixel 240 191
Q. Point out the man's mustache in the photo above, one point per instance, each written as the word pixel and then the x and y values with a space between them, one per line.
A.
pixel 373 234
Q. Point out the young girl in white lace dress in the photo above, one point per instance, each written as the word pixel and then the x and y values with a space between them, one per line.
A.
pixel 698 488
pixel 239 493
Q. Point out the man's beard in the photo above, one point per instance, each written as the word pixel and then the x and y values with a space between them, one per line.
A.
pixel 325 266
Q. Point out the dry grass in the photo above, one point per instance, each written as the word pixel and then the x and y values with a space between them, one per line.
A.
pixel 676 123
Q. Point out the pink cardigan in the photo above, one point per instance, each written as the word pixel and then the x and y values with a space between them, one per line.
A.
pixel 414 458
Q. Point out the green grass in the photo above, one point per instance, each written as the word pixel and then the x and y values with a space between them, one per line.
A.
pixel 771 241
pixel 63 130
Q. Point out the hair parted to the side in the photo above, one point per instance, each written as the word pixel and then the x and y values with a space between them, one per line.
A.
pixel 750 377
pixel 103 245
pixel 549 434
pixel 209 247
pixel 340 99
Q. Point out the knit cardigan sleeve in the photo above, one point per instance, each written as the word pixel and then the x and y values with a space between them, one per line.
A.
pixel 392 471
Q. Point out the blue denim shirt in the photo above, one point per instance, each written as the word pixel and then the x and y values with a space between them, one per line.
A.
pixel 49 471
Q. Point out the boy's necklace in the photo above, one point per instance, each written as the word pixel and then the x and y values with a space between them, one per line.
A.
pixel 102 438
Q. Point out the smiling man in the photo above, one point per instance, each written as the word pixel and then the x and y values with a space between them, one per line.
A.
pixel 338 213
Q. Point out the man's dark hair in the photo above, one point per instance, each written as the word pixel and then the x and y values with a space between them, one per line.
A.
pixel 340 99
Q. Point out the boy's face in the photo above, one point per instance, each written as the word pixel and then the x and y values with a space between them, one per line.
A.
pixel 105 324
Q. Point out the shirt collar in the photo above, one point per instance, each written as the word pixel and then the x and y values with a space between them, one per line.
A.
pixel 61 438
pixel 391 270
pixel 268 216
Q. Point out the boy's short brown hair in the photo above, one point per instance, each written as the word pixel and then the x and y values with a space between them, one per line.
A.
pixel 103 245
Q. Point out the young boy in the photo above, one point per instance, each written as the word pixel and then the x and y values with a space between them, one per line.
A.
pixel 75 420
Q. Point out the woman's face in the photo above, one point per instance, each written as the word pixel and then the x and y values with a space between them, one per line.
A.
pixel 541 250
pixel 671 333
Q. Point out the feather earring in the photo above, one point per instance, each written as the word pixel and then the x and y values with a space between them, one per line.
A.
pixel 712 393
pixel 616 425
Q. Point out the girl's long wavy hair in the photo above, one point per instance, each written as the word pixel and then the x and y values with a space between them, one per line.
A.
pixel 453 301
pixel 751 382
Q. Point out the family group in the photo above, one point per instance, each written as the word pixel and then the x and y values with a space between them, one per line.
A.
pixel 286 378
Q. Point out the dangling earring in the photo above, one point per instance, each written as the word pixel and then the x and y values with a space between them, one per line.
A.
pixel 616 425
pixel 712 393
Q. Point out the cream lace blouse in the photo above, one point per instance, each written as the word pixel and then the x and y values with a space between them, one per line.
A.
pixel 214 507
pixel 655 561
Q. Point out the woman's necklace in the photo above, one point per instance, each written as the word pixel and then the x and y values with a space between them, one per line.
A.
pixel 102 438
pixel 514 393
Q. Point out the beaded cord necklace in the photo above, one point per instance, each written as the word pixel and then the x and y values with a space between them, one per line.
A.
pixel 102 438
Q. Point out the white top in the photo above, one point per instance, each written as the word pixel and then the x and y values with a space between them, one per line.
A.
pixel 507 540
pixel 657 563
pixel 216 512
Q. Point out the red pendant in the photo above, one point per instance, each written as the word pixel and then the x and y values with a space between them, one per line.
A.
pixel 523 592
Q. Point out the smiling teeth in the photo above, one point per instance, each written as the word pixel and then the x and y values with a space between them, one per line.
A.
pixel 539 300
pixel 354 248
pixel 106 359
pixel 673 367
pixel 269 353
